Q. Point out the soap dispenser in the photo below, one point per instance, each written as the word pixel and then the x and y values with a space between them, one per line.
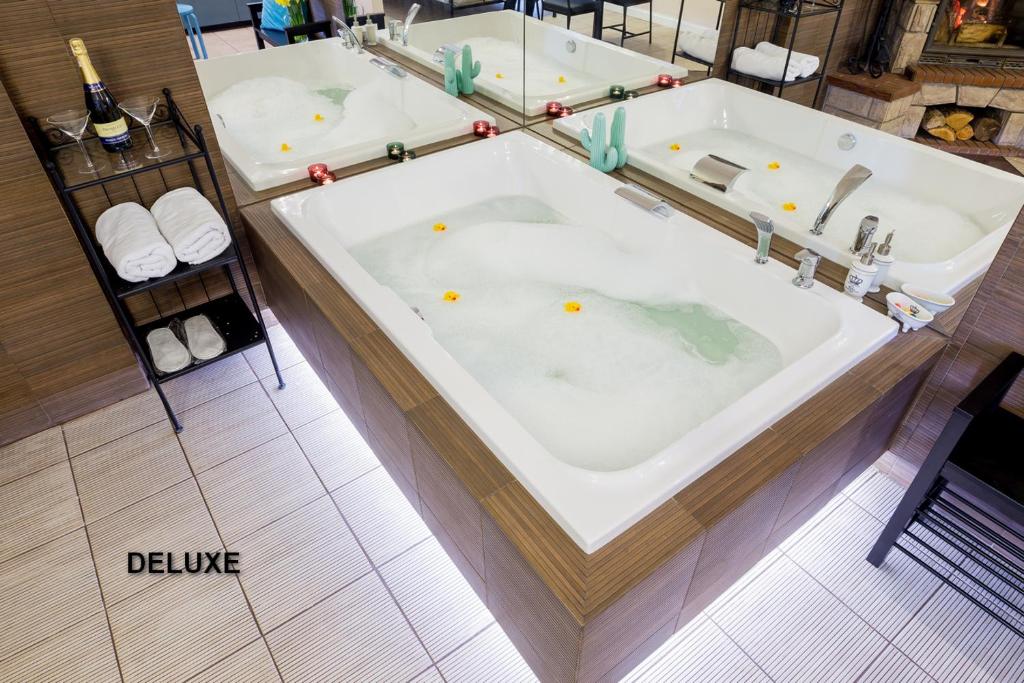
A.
pixel 862 273
pixel 883 259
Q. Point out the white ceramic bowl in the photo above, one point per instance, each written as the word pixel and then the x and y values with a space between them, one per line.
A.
pixel 910 314
pixel 935 302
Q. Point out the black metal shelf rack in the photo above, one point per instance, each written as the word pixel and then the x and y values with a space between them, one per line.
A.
pixel 769 25
pixel 239 321
pixel 679 52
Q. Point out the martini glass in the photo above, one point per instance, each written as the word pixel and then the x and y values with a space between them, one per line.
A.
pixel 72 122
pixel 142 108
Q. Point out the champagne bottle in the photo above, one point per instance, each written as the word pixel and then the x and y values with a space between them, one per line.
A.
pixel 107 119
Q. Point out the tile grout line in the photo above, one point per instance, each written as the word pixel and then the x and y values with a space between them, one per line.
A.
pixel 359 543
pixel 245 595
pixel 95 567
pixel 733 640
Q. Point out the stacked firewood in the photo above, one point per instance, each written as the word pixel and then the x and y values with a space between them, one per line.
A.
pixel 952 123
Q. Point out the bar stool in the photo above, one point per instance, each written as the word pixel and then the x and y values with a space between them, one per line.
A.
pixel 191 23
pixel 621 28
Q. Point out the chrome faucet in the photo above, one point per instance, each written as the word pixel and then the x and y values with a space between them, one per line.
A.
pixel 809 260
pixel 853 179
pixel 413 11
pixel 347 35
pixel 867 229
pixel 764 235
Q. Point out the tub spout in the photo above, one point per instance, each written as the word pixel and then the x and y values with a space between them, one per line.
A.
pixel 867 229
pixel 346 33
pixel 409 18
pixel 765 228
pixel 853 179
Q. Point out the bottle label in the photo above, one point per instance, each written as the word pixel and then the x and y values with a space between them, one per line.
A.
pixel 95 87
pixel 113 132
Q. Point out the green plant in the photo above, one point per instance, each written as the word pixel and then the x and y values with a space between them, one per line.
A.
pixel 618 140
pixel 602 156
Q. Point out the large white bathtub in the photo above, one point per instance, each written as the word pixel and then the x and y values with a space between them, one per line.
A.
pixel 950 214
pixel 608 356
pixel 277 111
pixel 558 64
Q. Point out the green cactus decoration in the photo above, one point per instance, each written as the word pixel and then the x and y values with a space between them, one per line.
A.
pixel 456 81
pixel 619 136
pixel 602 157
pixel 451 76
pixel 470 70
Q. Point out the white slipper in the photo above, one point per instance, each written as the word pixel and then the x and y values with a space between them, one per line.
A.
pixel 167 351
pixel 203 341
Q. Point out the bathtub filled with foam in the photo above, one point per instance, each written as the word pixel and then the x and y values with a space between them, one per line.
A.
pixel 277 111
pixel 607 356
pixel 950 214
pixel 525 63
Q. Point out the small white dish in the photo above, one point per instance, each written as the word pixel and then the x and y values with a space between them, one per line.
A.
pixel 910 314
pixel 933 301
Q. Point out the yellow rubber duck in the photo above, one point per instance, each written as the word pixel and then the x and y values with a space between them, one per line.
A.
pixel 562 79
pixel 285 147
pixel 675 147
pixel 774 166
pixel 572 307
pixel 451 295
pixel 440 227
pixel 789 206
pixel 499 75
pixel 318 117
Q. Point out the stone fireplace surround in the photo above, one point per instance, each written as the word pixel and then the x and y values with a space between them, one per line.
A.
pixel 888 104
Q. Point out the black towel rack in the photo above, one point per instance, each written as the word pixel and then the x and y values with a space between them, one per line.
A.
pixel 239 321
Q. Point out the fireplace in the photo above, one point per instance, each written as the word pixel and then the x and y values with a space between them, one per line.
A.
pixel 977 33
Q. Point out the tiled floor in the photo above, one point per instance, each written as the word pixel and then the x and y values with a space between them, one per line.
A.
pixel 342 581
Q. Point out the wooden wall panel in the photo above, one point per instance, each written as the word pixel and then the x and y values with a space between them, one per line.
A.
pixel 992 327
pixel 64 353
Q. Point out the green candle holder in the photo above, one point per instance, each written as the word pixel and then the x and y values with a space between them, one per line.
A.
pixel 630 95
pixel 395 150
pixel 616 92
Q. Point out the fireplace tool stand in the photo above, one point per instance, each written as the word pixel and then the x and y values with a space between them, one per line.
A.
pixel 875 56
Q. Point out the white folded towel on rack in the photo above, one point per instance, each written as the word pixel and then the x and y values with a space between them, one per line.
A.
pixel 807 64
pixel 754 63
pixel 195 230
pixel 698 41
pixel 132 243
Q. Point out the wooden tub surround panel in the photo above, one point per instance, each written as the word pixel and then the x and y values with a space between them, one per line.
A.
pixel 576 616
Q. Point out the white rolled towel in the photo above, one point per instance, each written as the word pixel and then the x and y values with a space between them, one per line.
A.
pixel 698 41
pixel 195 230
pixel 133 244
pixel 754 63
pixel 808 64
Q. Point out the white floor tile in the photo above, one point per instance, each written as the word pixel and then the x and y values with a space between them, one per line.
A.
pixel 891 666
pixel 441 606
pixel 489 656
pixel 208 383
pixel 762 565
pixel 286 353
pixel 814 521
pixel 304 398
pixel 954 640
pixel 879 495
pixel 357 634
pixel 699 653
pixel 382 519
pixel 834 553
pixel 336 449
pixel 784 614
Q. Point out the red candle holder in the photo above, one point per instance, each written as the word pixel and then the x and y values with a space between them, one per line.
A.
pixel 678 82
pixel 554 108
pixel 492 132
pixel 328 178
pixel 481 128
pixel 566 111
pixel 317 171
pixel 665 81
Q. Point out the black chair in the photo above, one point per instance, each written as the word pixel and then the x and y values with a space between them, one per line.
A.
pixel 570 8
pixel 463 5
pixel 313 30
pixel 964 511
pixel 621 27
